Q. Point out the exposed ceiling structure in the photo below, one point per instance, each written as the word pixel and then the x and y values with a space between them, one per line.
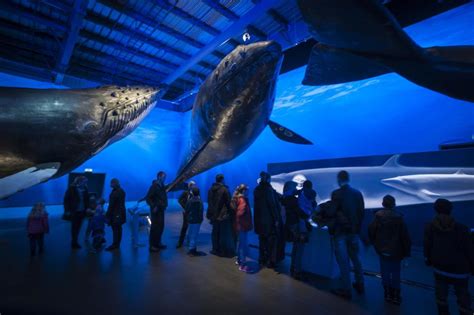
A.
pixel 175 42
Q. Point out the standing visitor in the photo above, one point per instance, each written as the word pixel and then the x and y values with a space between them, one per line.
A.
pixel 219 213
pixel 295 227
pixel 307 198
pixel 183 200
pixel 448 248
pixel 37 225
pixel 97 225
pixel 268 223
pixel 243 224
pixel 194 216
pixel 349 205
pixel 157 199
pixel 389 235
pixel 76 202
pixel 116 215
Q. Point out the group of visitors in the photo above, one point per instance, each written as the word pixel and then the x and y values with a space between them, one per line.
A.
pixel 278 219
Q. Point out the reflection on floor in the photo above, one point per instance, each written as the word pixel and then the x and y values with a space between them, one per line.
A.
pixel 135 281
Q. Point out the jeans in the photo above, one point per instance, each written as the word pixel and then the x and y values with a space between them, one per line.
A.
pixel 461 289
pixel 36 239
pixel 243 248
pixel 346 247
pixel 193 232
pixel 117 234
pixel 157 227
pixel 76 223
pixel 390 270
pixel 184 228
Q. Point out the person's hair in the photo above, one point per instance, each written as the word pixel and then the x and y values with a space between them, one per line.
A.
pixel 191 184
pixel 388 202
pixel 38 209
pixel 443 206
pixel 161 173
pixel 308 184
pixel 219 178
pixel 79 180
pixel 265 177
pixel 343 176
pixel 241 188
pixel 289 188
pixel 195 191
pixel 115 181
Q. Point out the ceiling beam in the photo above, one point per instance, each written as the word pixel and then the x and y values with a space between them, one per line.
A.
pixel 67 47
pixel 278 18
pixel 104 22
pixel 235 29
pixel 130 11
pixel 229 14
pixel 186 16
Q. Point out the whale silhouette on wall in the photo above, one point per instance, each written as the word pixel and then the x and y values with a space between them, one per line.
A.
pixel 409 185
pixel 361 39
pixel 46 133
pixel 233 107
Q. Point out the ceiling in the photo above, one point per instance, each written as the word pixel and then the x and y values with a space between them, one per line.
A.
pixel 176 42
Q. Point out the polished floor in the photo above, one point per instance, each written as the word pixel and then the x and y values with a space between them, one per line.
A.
pixel 133 281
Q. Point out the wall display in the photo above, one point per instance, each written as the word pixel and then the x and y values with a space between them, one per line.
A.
pixel 46 133
pixel 357 42
pixel 409 185
pixel 233 107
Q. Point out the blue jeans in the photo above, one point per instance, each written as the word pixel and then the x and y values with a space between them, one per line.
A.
pixel 193 232
pixel 347 247
pixel 390 270
pixel 243 247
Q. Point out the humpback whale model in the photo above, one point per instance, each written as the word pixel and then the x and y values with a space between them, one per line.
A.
pixel 361 39
pixel 409 185
pixel 45 133
pixel 233 107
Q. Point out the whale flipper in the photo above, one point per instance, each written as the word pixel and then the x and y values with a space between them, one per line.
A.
pixel 286 134
pixel 358 40
pixel 27 178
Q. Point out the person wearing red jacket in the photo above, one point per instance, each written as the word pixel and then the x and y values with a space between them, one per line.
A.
pixel 37 225
pixel 243 223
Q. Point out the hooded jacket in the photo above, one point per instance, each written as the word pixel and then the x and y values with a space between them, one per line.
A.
pixel 218 202
pixel 267 210
pixel 448 246
pixel 389 234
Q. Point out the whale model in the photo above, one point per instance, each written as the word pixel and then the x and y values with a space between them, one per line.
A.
pixel 409 185
pixel 45 133
pixel 232 108
pixel 361 39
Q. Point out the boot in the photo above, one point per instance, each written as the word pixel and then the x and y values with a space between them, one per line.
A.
pixel 396 297
pixel 387 293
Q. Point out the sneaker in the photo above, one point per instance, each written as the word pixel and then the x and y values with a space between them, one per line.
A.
pixel 243 268
pixel 237 263
pixel 153 249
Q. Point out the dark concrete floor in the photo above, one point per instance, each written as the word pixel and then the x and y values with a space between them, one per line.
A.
pixel 133 281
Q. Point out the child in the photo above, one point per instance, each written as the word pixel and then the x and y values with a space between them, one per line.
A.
pixel 37 225
pixel 449 249
pixel 243 223
pixel 89 214
pixel 194 216
pixel 389 235
pixel 97 225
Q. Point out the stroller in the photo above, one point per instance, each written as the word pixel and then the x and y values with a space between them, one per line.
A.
pixel 139 222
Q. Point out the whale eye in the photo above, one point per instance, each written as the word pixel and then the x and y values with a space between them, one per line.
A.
pixel 102 104
pixel 113 94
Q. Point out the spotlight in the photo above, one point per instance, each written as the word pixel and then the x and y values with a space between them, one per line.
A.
pixel 88 170
pixel 246 37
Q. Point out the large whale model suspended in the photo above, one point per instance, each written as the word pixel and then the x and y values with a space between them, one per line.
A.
pixel 233 107
pixel 361 39
pixel 46 133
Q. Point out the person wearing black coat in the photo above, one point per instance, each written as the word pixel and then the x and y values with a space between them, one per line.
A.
pixel 76 202
pixel 183 200
pixel 389 235
pixel 116 214
pixel 268 223
pixel 350 209
pixel 220 215
pixel 448 248
pixel 157 199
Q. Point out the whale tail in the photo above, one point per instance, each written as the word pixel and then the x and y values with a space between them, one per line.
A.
pixel 357 42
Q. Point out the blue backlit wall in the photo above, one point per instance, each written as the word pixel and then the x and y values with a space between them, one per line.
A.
pixel 381 115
